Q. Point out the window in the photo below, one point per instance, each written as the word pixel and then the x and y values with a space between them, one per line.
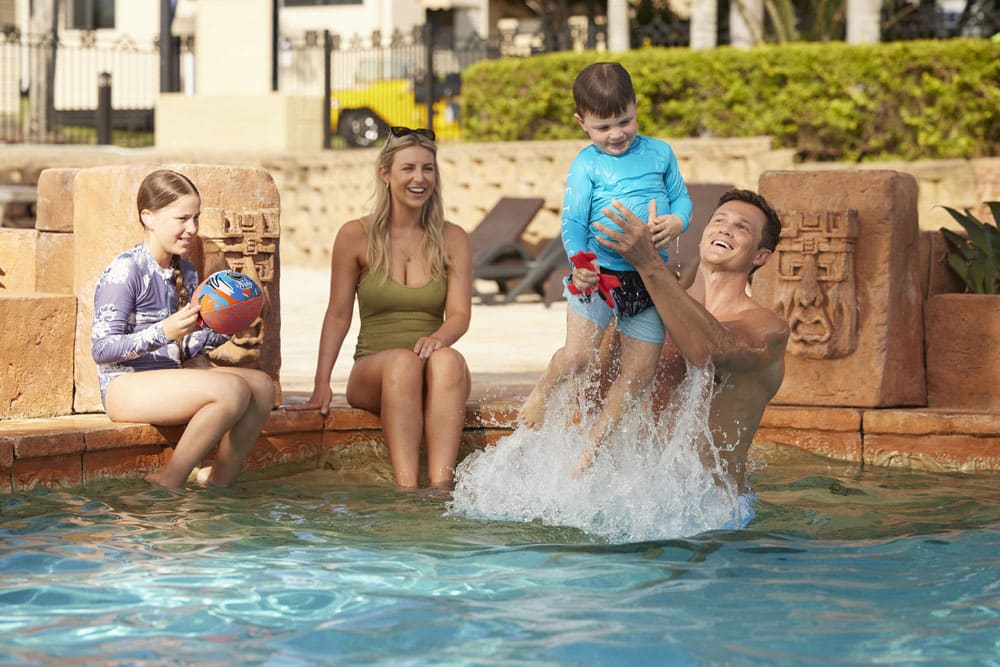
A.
pixel 90 14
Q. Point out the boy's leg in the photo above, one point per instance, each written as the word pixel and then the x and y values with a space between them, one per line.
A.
pixel 638 365
pixel 583 335
pixel 641 344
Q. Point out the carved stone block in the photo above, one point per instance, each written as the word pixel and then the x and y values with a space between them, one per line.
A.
pixel 846 277
pixel 36 349
pixel 18 263
pixel 54 212
pixel 963 369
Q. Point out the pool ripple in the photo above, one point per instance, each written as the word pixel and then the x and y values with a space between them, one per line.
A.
pixel 841 566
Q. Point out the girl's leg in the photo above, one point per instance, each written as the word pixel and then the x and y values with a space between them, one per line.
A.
pixel 391 384
pixel 209 403
pixel 240 439
pixel 582 339
pixel 448 384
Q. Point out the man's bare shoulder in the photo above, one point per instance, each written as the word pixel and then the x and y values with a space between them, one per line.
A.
pixel 756 338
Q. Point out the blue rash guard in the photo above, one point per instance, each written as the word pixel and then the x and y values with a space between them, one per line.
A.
pixel 132 298
pixel 647 170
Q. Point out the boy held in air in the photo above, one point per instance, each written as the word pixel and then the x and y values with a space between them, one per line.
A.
pixel 641 173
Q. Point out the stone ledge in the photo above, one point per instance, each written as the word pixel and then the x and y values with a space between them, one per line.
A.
pixel 71 450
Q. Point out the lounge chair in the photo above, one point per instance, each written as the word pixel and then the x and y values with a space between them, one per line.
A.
pixel 497 254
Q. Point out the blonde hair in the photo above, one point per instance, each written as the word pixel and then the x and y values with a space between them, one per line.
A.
pixel 160 189
pixel 431 218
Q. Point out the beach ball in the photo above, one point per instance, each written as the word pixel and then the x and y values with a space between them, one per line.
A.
pixel 229 301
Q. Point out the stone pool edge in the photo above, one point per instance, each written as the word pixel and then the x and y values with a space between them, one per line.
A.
pixel 73 450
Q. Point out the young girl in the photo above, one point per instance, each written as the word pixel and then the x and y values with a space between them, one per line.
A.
pixel 145 327
pixel 411 272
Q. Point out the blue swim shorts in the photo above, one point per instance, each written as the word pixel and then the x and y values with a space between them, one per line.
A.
pixel 645 326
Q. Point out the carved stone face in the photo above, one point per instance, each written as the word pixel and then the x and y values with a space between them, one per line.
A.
pixel 816 286
pixel 244 242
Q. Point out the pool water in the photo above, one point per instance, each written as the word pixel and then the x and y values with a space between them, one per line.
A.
pixel 842 566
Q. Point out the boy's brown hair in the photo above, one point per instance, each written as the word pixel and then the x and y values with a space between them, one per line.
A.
pixel 603 90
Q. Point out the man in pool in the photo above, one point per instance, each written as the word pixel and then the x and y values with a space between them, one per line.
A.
pixel 716 322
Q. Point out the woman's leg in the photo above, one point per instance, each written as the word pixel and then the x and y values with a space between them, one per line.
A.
pixel 209 403
pixel 448 385
pixel 240 439
pixel 391 384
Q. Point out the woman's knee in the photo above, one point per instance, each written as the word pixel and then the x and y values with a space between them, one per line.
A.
pixel 403 368
pixel 446 366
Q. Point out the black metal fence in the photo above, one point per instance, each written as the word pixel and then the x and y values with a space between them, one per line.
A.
pixel 95 90
pixel 88 89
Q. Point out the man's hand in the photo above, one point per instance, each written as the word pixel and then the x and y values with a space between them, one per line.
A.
pixel 635 240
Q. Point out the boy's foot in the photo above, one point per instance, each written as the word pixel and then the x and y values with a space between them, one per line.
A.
pixel 532 413
pixel 586 460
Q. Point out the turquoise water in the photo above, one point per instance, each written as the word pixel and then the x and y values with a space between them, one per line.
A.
pixel 841 566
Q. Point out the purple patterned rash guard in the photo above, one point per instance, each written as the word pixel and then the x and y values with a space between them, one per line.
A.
pixel 647 170
pixel 133 297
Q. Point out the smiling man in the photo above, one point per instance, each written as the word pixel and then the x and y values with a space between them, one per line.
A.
pixel 716 322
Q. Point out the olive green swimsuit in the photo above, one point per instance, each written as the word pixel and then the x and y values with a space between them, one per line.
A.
pixel 396 316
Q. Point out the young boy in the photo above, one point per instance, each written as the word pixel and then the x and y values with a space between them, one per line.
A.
pixel 641 173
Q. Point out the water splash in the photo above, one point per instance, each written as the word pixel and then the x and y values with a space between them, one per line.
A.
pixel 647 481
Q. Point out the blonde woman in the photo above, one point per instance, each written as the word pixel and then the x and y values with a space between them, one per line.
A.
pixel 411 273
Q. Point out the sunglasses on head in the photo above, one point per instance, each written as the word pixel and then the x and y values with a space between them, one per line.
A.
pixel 400 131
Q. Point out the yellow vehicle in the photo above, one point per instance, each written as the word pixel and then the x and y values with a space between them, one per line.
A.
pixel 363 116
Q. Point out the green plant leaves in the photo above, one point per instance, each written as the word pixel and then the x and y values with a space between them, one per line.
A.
pixel 919 100
pixel 975 258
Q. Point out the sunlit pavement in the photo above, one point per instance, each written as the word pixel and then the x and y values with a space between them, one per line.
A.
pixel 507 346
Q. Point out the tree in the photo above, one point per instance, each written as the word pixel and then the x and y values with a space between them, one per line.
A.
pixel 704 23
pixel 44 36
pixel 746 22
pixel 618 28
pixel 863 21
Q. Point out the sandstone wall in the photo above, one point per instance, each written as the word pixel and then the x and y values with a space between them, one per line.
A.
pixel 320 190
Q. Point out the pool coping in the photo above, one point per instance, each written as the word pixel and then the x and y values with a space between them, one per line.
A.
pixel 72 450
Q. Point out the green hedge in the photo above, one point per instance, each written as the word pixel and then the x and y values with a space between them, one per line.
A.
pixel 895 101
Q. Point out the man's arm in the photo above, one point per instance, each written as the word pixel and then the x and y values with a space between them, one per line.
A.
pixel 747 337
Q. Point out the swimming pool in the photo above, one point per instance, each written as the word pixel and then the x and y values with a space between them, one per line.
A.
pixel 841 566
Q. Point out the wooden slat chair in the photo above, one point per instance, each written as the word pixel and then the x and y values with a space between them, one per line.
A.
pixel 497 253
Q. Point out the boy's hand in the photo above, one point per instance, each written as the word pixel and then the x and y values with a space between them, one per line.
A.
pixel 664 229
pixel 585 279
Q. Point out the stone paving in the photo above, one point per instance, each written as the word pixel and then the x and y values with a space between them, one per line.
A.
pixel 507 346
